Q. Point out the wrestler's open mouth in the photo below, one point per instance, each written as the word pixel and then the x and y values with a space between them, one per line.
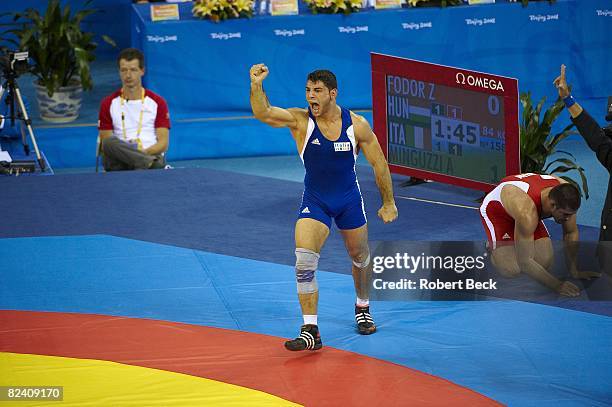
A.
pixel 314 107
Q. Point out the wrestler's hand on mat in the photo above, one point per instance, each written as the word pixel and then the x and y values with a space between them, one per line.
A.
pixel 259 72
pixel 585 275
pixel 568 289
pixel 388 212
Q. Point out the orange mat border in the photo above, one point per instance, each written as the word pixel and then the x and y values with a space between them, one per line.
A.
pixel 326 377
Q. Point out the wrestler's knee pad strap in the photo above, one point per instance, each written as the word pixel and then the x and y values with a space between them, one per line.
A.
pixel 362 264
pixel 306 263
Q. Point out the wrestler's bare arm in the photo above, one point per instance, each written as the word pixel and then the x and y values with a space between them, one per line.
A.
pixel 367 141
pixel 522 209
pixel 295 119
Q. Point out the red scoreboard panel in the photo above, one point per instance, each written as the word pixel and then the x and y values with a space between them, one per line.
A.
pixel 445 124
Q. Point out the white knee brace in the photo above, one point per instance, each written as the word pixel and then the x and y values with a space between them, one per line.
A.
pixel 306 264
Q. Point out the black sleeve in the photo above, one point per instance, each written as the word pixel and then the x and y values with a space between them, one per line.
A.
pixel 595 138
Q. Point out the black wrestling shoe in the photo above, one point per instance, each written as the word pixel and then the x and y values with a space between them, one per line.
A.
pixel 365 323
pixel 309 339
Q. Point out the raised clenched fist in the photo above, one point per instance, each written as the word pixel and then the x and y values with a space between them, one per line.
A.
pixel 259 72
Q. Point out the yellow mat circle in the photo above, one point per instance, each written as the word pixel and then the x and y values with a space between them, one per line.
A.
pixel 88 382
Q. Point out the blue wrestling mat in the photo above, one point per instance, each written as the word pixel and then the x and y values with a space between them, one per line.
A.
pixel 215 249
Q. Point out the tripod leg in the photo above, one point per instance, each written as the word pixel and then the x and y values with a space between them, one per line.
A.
pixel 41 162
pixel 1 94
pixel 26 147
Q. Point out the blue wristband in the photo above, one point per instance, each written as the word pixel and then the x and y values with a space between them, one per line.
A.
pixel 569 101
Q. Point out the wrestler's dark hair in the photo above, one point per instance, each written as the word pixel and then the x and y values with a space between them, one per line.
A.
pixel 129 54
pixel 565 196
pixel 327 77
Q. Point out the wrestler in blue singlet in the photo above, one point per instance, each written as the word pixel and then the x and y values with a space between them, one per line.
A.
pixel 331 189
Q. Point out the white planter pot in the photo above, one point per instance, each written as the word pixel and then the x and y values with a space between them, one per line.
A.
pixel 63 106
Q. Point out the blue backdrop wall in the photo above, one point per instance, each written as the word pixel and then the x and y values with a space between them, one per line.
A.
pixel 203 67
pixel 112 18
pixel 528 43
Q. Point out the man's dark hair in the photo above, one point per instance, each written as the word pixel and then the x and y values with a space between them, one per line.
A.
pixel 129 54
pixel 565 196
pixel 327 77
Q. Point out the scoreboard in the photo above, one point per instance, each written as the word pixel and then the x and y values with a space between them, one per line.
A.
pixel 445 124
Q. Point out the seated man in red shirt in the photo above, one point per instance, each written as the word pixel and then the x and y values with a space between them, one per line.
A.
pixel 134 122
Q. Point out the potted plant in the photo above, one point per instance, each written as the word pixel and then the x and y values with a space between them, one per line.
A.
pixel 538 145
pixel 333 6
pixel 61 54
pixel 219 10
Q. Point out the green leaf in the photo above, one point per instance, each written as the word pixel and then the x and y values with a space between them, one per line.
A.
pixel 539 108
pixel 562 169
pixel 565 152
pixel 569 163
pixel 585 184
pixel 562 136
pixel 109 41
pixel 80 16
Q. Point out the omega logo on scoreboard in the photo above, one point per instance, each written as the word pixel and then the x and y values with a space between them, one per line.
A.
pixel 478 81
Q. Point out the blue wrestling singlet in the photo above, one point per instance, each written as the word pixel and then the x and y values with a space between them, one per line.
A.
pixel 331 189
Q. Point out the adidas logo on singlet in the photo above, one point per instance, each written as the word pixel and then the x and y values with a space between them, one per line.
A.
pixel 315 142
pixel 306 210
pixel 506 236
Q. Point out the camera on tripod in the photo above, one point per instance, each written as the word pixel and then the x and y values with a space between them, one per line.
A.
pixel 14 63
